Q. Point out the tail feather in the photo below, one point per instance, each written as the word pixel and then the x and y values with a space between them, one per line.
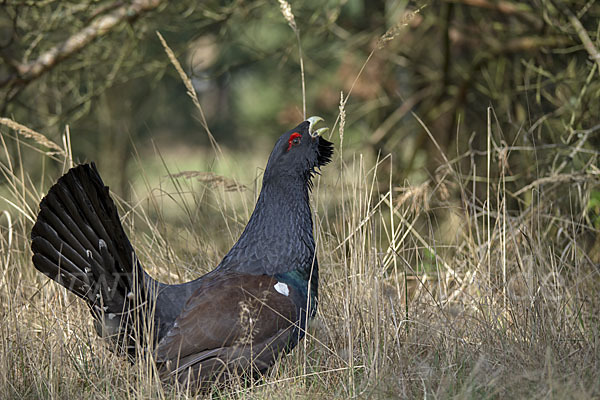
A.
pixel 79 242
pixel 68 247
pixel 59 203
pixel 104 218
pixel 49 268
pixel 79 235
pixel 93 215
pixel 64 236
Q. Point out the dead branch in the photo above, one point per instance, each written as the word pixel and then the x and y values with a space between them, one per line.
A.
pixel 580 30
pixel 555 179
pixel 26 72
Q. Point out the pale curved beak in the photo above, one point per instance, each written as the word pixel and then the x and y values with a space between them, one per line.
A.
pixel 312 122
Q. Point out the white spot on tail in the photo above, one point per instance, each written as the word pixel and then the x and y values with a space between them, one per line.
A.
pixel 282 288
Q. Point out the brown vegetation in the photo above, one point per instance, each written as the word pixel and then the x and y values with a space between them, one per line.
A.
pixel 457 229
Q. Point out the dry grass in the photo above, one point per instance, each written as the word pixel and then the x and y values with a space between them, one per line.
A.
pixel 426 291
pixel 437 290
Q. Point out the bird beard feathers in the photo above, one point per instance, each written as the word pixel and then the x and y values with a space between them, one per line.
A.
pixel 324 154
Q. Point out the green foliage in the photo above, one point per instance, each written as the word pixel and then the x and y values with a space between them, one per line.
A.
pixel 593 208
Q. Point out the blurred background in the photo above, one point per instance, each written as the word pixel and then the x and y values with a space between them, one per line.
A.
pixel 430 84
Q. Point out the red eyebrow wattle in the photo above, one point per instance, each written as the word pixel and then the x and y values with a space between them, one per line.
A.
pixel 292 137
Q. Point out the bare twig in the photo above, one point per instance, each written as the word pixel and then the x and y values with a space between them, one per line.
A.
pixel 580 30
pixel 104 9
pixel 558 178
pixel 26 72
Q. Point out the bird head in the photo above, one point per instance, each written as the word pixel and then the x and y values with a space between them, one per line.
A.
pixel 300 152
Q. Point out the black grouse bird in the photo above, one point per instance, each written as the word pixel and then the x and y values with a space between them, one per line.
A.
pixel 235 319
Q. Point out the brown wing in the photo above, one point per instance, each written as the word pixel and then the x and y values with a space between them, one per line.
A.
pixel 231 322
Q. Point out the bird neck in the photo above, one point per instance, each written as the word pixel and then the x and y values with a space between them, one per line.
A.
pixel 278 239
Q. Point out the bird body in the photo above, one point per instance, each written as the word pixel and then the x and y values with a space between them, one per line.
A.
pixel 237 318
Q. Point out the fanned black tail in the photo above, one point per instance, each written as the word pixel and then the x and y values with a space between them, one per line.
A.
pixel 79 242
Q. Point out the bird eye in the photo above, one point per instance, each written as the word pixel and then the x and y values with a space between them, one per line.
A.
pixel 294 140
